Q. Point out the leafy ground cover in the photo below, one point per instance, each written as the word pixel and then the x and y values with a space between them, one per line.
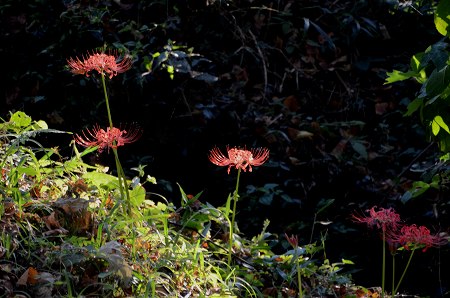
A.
pixel 67 232
pixel 304 79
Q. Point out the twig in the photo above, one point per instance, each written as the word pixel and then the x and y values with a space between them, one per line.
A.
pixel 263 60
pixel 415 159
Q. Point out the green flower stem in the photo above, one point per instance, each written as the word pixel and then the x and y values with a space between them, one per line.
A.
pixel 404 271
pixel 299 275
pixel 393 275
pixel 124 193
pixel 107 101
pixel 235 198
pixel 122 181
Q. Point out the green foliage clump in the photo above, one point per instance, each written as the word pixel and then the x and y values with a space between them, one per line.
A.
pixel 64 234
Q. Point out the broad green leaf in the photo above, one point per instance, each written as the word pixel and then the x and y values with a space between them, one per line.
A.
pixel 438 54
pixel 442 17
pixel 418 188
pixel 416 62
pixel 414 106
pixel 26 171
pixel 41 124
pixel 344 261
pixel 438 119
pixel 102 179
pixel 20 119
pixel 396 76
pixel 435 128
pixel 436 83
pixel 137 196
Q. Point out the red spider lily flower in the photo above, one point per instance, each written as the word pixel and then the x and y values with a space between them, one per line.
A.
pixel 239 158
pixel 293 240
pixel 386 219
pixel 109 138
pixel 100 62
pixel 412 237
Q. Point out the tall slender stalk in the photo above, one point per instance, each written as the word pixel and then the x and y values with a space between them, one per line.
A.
pixel 124 193
pixel 393 275
pixel 233 215
pixel 404 271
pixel 299 275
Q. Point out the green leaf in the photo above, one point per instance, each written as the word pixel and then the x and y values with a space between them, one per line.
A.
pixel 438 54
pixel 137 196
pixel 102 179
pixel 184 198
pixel 171 71
pixel 151 179
pixel 324 35
pixel 41 124
pixel 435 128
pixel 436 83
pixel 344 261
pixel 360 148
pixel 416 62
pixel 438 119
pixel 442 17
pixel 227 205
pixel 406 197
pixel 418 188
pixel 414 106
pixel 266 199
pixel 396 76
pixel 324 204
pixel 26 171
pixel 20 119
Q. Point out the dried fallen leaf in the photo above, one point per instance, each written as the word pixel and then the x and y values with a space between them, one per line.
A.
pixel 29 277
pixel 51 221
pixel 291 103
pixel 295 134
pixel 338 150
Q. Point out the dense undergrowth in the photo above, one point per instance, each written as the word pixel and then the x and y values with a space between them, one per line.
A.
pixel 305 79
pixel 66 232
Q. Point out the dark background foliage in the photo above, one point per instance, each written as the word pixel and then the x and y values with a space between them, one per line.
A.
pixel 303 78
